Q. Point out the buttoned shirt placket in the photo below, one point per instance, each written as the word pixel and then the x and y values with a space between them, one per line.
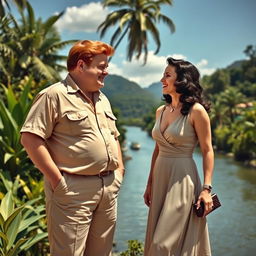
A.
pixel 101 121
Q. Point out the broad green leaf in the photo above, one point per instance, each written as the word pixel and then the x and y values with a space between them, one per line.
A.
pixel 16 184
pixel 26 189
pixel 30 202
pixel 3 236
pixel 18 115
pixel 7 156
pixel 6 179
pixel 34 240
pixel 1 124
pixel 7 205
pixel 24 95
pixel 14 251
pixel 1 195
pixel 11 100
pixel 11 218
pixel 1 251
pixel 2 221
pixel 12 230
pixel 8 121
pixel 29 221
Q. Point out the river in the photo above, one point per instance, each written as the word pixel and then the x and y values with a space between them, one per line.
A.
pixel 232 227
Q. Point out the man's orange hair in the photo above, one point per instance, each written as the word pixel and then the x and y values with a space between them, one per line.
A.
pixel 85 50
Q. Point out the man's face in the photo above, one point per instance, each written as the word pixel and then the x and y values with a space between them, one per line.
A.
pixel 95 73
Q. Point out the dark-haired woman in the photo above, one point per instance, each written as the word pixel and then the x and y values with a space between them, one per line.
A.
pixel 173 186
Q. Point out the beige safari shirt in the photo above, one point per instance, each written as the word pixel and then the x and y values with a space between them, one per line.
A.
pixel 80 138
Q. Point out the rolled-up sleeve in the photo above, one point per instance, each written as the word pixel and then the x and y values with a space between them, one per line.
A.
pixel 41 117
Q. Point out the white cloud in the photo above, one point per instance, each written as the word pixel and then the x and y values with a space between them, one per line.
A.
pixel 153 70
pixel 178 56
pixel 202 65
pixel 85 18
pixel 142 75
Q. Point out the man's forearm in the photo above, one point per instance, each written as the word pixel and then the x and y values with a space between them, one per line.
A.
pixel 120 158
pixel 40 156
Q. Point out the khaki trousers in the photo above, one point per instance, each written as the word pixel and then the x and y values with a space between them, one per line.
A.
pixel 81 214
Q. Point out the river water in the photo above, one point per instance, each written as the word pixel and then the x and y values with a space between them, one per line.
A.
pixel 232 227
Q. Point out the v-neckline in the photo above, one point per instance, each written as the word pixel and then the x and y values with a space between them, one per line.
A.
pixel 160 121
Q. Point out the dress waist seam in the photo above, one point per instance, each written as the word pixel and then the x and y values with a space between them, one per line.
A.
pixel 173 156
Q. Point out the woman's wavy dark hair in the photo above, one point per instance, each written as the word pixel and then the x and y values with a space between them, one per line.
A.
pixel 187 84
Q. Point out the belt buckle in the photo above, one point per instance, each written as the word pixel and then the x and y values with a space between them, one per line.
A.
pixel 104 173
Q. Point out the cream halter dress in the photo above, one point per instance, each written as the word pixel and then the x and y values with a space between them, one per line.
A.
pixel 173 229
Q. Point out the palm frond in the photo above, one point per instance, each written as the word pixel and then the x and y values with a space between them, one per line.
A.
pixel 167 21
pixel 116 3
pixel 50 22
pixel 57 46
pixel 115 36
pixel 160 2
pixel 155 34
pixel 15 23
pixel 111 20
pixel 2 68
pixel 31 17
pixel 125 19
pixel 42 68
pixel 5 50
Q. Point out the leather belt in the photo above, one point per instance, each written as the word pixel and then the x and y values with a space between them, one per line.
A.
pixel 101 174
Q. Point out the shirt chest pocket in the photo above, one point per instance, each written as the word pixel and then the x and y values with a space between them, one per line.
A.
pixel 78 122
pixel 111 119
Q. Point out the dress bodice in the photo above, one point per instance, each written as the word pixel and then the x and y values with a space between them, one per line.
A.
pixel 179 138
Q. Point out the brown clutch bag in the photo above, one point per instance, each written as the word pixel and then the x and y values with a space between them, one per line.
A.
pixel 200 211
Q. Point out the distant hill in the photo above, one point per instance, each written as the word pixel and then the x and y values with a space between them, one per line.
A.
pixel 156 90
pixel 129 97
pixel 236 64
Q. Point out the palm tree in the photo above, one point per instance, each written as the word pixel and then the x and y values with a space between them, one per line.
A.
pixel 218 114
pixel 135 19
pixel 231 97
pixel 30 47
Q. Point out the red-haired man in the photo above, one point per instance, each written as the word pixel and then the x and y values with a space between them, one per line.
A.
pixel 71 136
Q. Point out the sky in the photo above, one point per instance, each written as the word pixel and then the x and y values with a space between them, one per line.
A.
pixel 211 34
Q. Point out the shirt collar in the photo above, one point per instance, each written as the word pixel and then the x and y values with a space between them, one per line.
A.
pixel 72 87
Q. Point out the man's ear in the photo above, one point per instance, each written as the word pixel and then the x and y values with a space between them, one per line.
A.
pixel 80 65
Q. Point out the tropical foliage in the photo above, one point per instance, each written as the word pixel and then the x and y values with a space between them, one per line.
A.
pixel 30 47
pixel 135 19
pixel 232 92
pixel 29 61
pixel 19 229
pixel 135 248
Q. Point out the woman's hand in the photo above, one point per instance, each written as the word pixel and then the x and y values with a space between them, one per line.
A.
pixel 147 195
pixel 205 197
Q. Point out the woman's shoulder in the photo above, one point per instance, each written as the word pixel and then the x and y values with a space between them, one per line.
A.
pixel 159 110
pixel 198 112
pixel 198 108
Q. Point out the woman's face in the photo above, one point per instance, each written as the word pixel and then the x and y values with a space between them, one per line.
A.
pixel 168 80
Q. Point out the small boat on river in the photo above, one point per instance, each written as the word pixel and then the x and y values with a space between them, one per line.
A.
pixel 135 146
